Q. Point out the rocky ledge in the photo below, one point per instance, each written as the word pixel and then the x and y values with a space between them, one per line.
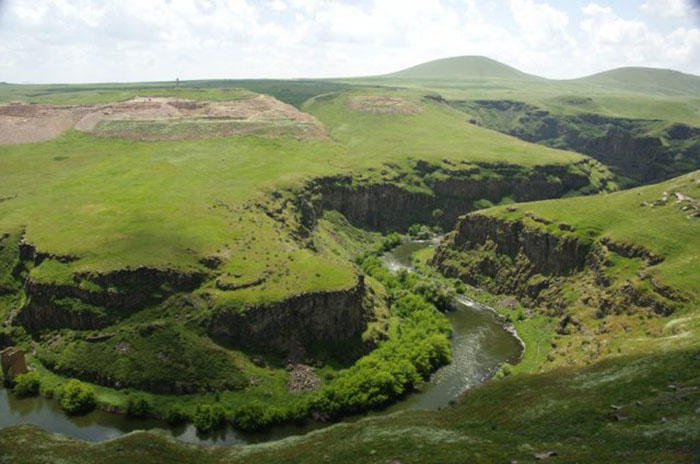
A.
pixel 289 326
pixel 512 257
pixel 442 194
pixel 95 300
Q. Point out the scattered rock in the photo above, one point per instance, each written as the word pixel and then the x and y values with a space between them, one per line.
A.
pixel 122 347
pixel 565 226
pixel 545 455
pixel 537 218
pixel 302 378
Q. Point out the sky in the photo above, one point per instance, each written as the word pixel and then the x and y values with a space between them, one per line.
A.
pixel 51 41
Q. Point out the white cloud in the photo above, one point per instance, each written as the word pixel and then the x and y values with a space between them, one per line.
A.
pixel 671 9
pixel 612 39
pixel 122 40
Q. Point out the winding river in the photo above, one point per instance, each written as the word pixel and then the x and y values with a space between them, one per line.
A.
pixel 480 344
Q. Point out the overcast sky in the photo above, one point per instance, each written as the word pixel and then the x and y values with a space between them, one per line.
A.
pixel 140 40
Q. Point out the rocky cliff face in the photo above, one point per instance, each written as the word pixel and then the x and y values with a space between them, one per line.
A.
pixel 512 257
pixel 94 301
pixel 291 325
pixel 548 253
pixel 632 148
pixel 421 193
pixel 390 205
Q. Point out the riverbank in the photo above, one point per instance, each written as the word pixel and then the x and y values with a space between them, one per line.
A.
pixel 480 343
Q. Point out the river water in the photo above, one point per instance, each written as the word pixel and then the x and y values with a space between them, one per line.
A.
pixel 480 344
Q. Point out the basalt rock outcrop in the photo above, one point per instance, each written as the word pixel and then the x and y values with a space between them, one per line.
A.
pixel 635 149
pixel 513 257
pixel 291 325
pixel 444 193
pixel 93 301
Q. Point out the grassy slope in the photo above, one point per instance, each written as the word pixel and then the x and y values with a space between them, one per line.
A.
pixel 626 92
pixel 152 203
pixel 638 406
pixel 665 229
pixel 647 80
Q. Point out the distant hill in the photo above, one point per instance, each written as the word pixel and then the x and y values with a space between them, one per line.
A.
pixel 463 67
pixel 639 79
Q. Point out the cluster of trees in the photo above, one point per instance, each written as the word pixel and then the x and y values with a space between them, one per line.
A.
pixel 396 366
pixel 75 397
pixel 419 347
pixel 27 384
pixel 403 283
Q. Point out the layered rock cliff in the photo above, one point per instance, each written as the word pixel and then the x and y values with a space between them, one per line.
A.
pixel 293 324
pixel 536 265
pixel 93 301
pixel 433 194
pixel 643 151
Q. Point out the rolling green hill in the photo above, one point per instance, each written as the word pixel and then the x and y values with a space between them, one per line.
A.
pixel 463 68
pixel 646 80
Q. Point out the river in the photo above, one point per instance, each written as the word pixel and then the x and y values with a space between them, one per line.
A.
pixel 480 344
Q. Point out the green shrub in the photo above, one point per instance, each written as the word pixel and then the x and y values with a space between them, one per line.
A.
pixel 504 370
pixel 27 385
pixel 255 416
pixel 208 417
pixel 420 231
pixel 138 406
pixel 483 204
pixel 176 414
pixel 77 397
pixel 441 296
pixel 420 345
pixel 390 241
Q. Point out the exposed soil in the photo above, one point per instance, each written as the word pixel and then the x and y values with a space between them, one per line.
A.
pixel 383 104
pixel 157 118
pixel 26 123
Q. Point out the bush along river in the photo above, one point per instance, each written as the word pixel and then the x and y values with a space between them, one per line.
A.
pixel 480 344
